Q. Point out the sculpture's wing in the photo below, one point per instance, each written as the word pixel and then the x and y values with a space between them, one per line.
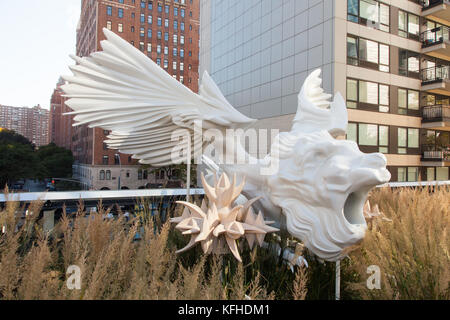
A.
pixel 315 112
pixel 122 90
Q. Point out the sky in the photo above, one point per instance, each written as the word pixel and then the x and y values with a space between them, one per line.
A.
pixel 36 38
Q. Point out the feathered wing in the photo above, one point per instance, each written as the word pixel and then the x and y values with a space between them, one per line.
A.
pixel 122 90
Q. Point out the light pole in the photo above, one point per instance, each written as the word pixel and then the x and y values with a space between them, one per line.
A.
pixel 120 168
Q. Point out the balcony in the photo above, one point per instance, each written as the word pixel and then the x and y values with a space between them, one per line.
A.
pixel 438 157
pixel 436 8
pixel 436 117
pixel 436 43
pixel 436 80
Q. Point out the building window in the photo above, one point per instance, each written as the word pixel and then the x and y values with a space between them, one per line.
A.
pixel 367 53
pixel 149 33
pixel 408 65
pixel 159 35
pixel 140 174
pixel 150 5
pixel 366 95
pixel 370 135
pixel 159 7
pixel 149 47
pixel 109 10
pixel 141 46
pixel 408 25
pixel 182 12
pixel 117 160
pixel 158 61
pixel 120 13
pixel 167 9
pixel 370 13
pixel 105 159
pixel 408 100
pixel 166 63
pixel 132 29
pixel 166 36
pixel 150 19
pixel 181 66
pixel 108 175
pixel 158 48
pixel 109 25
pixel 175 25
pixel 159 21
pixel 182 26
pixel 166 23
pixel 174 52
pixel 143 4
pixel 181 79
pixel 142 18
pixel 175 39
pixel 142 32
pixel 102 175
pixel 166 50
pixel 175 11
pixel 181 53
pixel 174 65
pixel 408 138
pixel 145 174
pixel 182 39
pixel 120 1
pixel 120 27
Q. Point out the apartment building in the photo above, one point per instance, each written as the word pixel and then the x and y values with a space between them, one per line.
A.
pixel 32 123
pixel 60 125
pixel 167 31
pixel 389 58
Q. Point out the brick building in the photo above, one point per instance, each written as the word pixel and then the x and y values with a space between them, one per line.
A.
pixel 60 126
pixel 32 123
pixel 168 32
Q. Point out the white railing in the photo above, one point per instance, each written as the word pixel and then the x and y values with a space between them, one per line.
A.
pixel 148 193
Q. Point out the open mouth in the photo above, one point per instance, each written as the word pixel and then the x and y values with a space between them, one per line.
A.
pixel 354 205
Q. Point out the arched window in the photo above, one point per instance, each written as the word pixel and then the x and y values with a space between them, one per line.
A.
pixel 108 175
pixel 145 174
pixel 102 174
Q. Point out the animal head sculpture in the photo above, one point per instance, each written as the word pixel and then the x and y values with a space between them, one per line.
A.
pixel 323 183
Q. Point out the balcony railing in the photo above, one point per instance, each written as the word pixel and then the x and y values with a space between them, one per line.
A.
pixel 429 153
pixel 434 74
pixel 434 36
pixel 435 113
pixel 427 4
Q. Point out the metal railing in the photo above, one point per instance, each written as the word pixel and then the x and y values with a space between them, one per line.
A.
pixel 435 113
pixel 434 36
pixel 437 73
pixel 430 153
pixel 427 4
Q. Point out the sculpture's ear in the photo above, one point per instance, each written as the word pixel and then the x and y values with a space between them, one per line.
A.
pixel 316 113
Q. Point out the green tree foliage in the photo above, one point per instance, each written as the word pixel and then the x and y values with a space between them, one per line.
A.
pixel 55 161
pixel 19 159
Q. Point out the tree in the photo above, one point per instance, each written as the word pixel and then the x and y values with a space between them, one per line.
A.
pixel 17 158
pixel 56 162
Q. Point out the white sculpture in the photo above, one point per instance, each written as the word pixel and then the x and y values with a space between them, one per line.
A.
pixel 319 191
pixel 222 222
